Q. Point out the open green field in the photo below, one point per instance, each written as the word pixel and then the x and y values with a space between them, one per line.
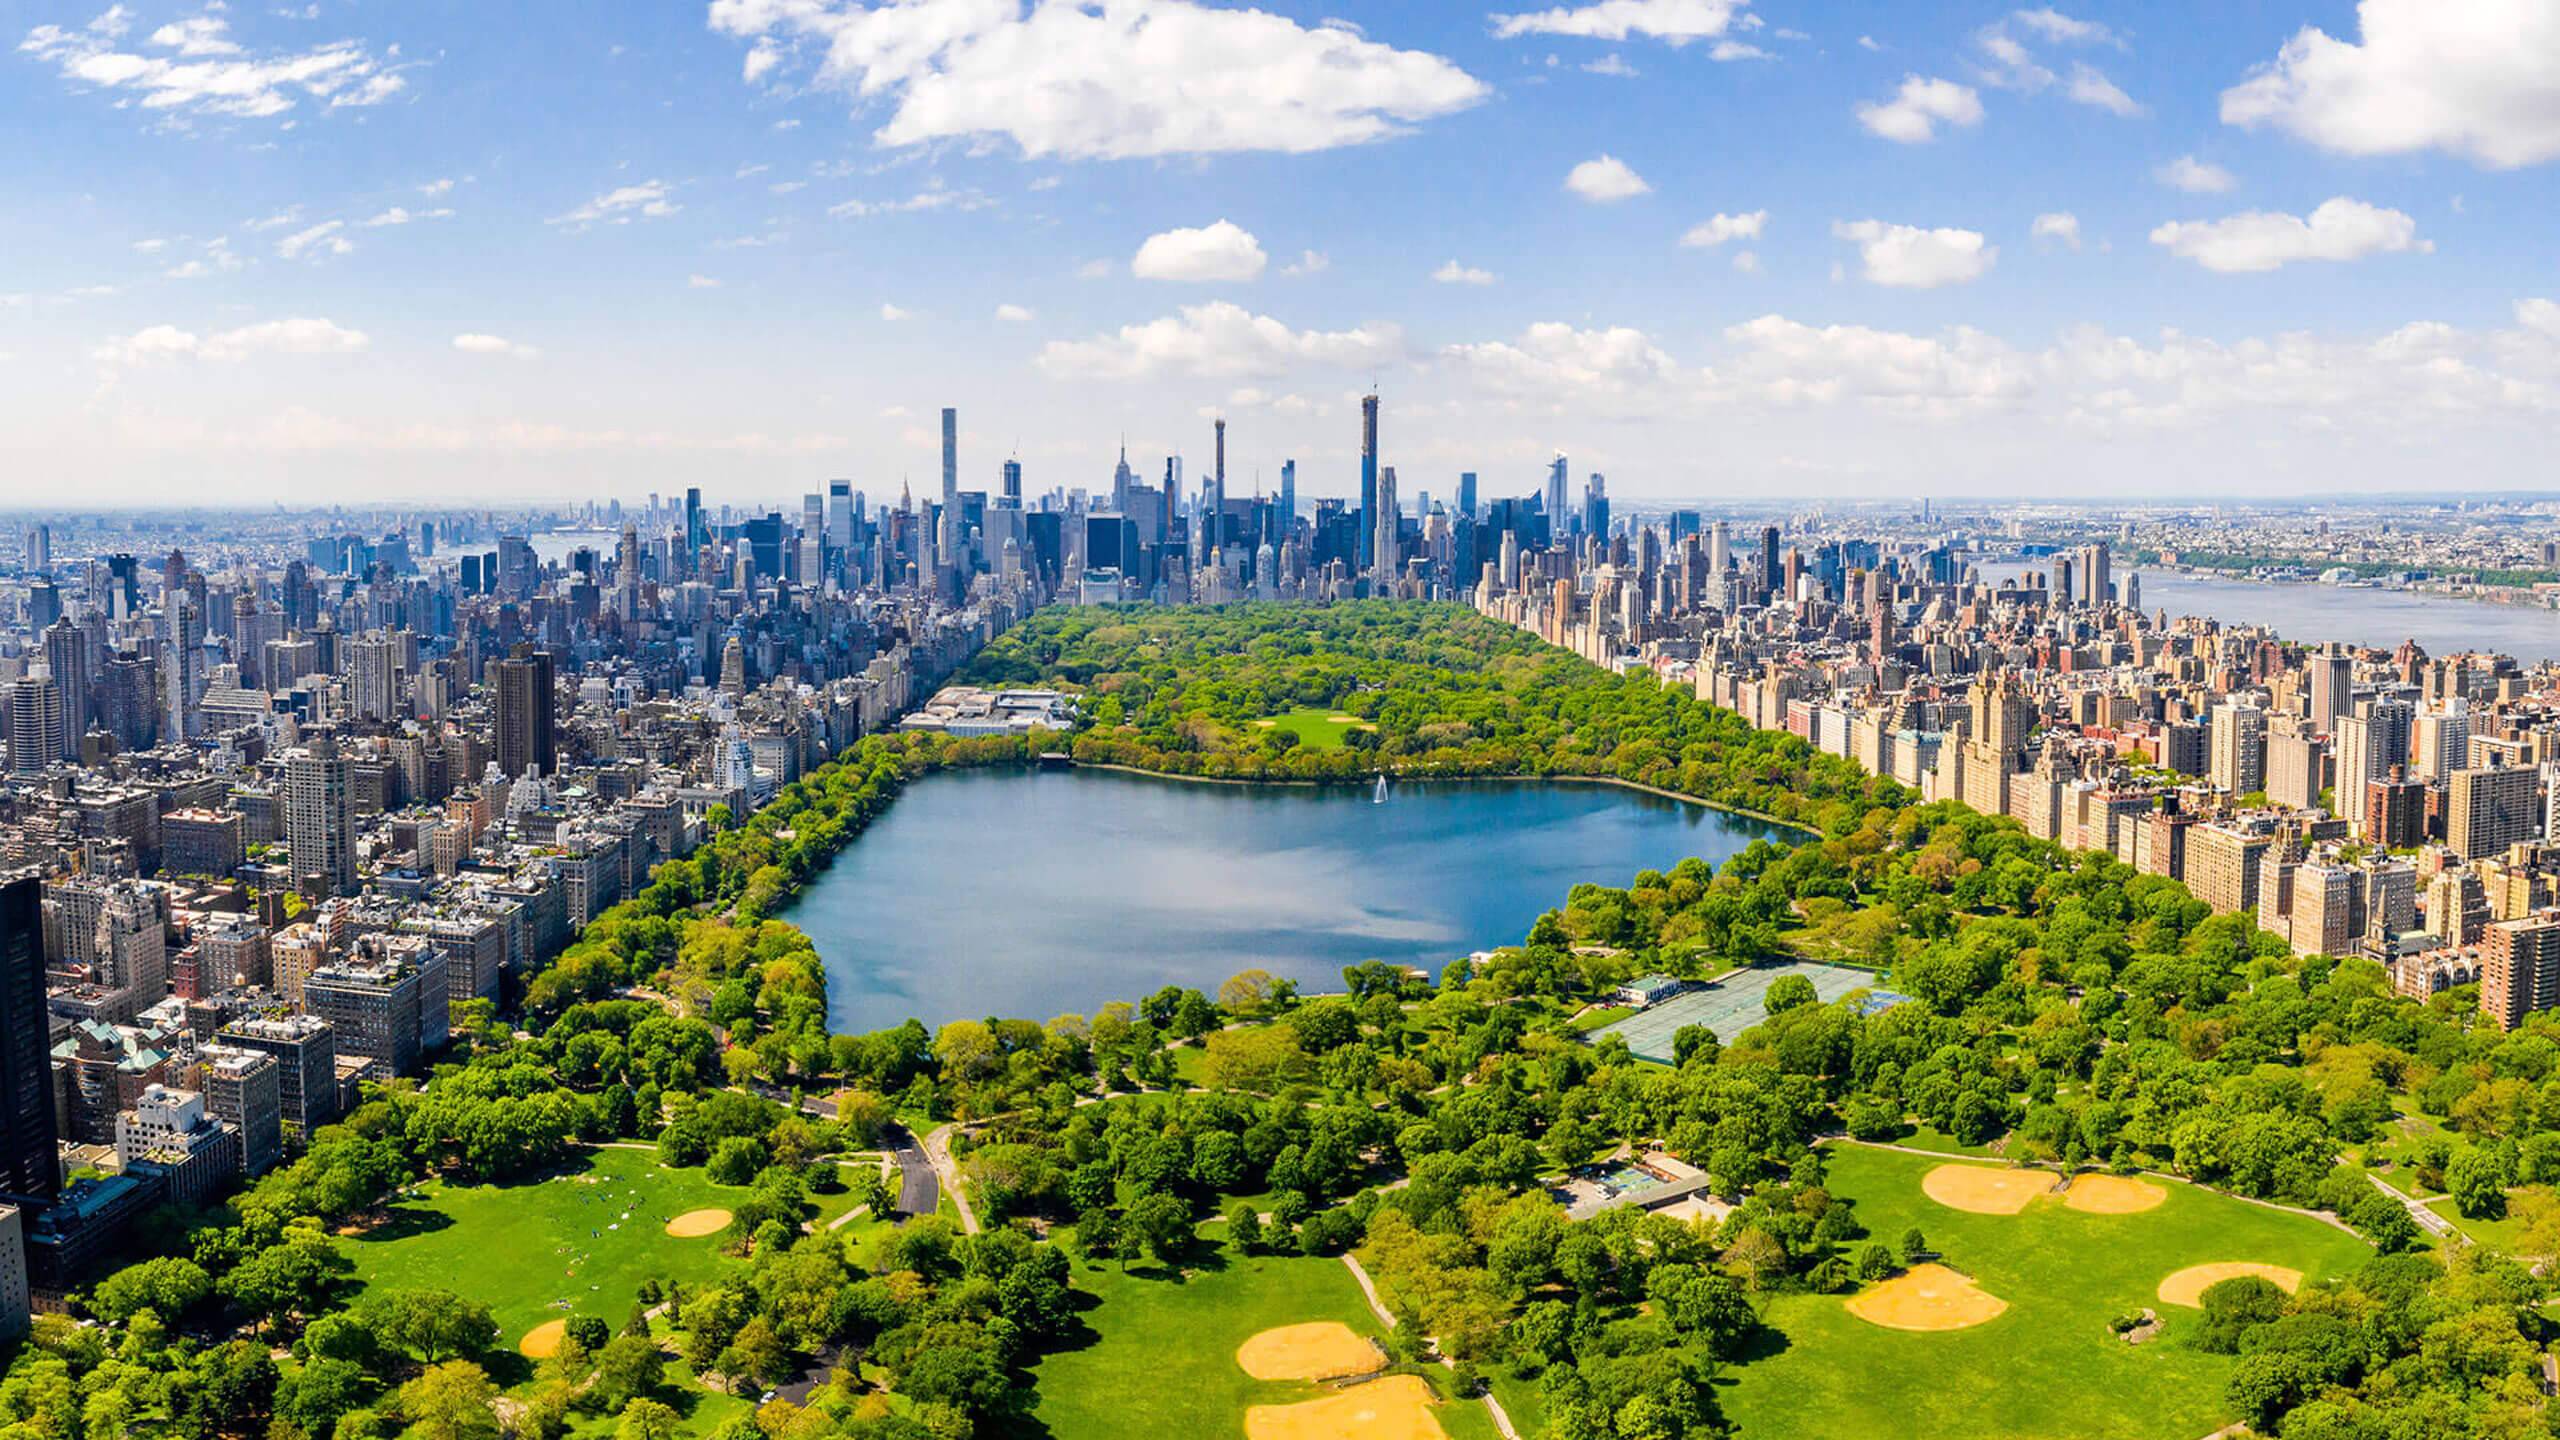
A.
pixel 586 1237
pixel 1315 729
pixel 2047 1367
pixel 1160 1356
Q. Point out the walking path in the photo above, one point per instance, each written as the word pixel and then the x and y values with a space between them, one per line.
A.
pixel 937 1153
pixel 1377 1307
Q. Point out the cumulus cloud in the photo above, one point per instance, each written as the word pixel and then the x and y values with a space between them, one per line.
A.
pixel 1717 229
pixel 1605 181
pixel 1132 78
pixel 2061 226
pixel 1217 341
pixel 1963 372
pixel 2341 229
pixel 2196 177
pixel 2480 78
pixel 648 200
pixel 2063 29
pixel 160 344
pixel 1224 252
pixel 891 312
pixel 1095 270
pixel 1914 113
pixel 1676 22
pixel 2540 316
pixel 1013 314
pixel 192 67
pixel 1556 367
pixel 2088 87
pixel 1453 273
pixel 493 345
pixel 1909 257
pixel 1309 262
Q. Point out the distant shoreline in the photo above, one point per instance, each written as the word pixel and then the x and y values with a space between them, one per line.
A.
pixel 1370 779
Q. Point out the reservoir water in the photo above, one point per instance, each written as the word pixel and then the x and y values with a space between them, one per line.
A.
pixel 1001 893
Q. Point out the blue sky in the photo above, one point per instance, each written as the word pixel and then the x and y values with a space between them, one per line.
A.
pixel 358 248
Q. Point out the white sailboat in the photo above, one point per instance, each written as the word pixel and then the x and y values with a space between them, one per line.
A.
pixel 1380 797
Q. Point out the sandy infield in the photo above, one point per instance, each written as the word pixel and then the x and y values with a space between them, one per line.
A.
pixel 2113 1195
pixel 1324 1350
pixel 1979 1190
pixel 1926 1297
pixel 1396 1408
pixel 694 1223
pixel 2187 1287
pixel 543 1340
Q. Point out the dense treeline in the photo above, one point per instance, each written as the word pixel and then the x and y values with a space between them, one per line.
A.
pixel 1444 691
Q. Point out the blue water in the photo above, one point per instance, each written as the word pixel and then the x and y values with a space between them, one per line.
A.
pixel 995 893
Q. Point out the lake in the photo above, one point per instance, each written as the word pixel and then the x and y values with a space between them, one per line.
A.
pixel 1004 893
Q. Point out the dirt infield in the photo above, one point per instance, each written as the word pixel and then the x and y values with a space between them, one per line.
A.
pixel 1980 1190
pixel 1926 1297
pixel 2187 1287
pixel 693 1224
pixel 542 1340
pixel 2113 1195
pixel 1325 1350
pixel 1396 1408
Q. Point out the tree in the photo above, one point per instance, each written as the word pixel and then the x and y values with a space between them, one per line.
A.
pixel 452 1401
pixel 166 1287
pixel 1161 1223
pixel 312 1401
pixel 236 1388
pixel 1915 1246
pixel 1244 1227
pixel 648 1420
pixel 432 1325
pixel 628 1367
pixel 2479 1185
pixel 588 1332
pixel 1789 992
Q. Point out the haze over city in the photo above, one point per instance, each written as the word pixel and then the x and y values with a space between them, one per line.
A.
pixel 1711 247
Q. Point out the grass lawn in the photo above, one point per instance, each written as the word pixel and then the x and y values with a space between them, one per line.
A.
pixel 2047 1367
pixel 2502 1234
pixel 1159 1355
pixel 1315 729
pixel 1925 1136
pixel 1601 1019
pixel 525 1247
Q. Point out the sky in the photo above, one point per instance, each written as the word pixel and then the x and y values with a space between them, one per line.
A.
pixel 1738 249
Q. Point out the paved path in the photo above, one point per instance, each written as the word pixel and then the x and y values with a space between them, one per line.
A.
pixel 2428 1220
pixel 937 1153
pixel 919 1188
pixel 1377 1307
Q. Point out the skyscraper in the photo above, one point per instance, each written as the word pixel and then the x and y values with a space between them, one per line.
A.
pixel 522 686
pixel 1011 496
pixel 2332 688
pixel 182 670
pixel 1555 498
pixel 947 549
pixel 1288 493
pixel 1467 493
pixel 35 720
pixel 1383 543
pixel 1218 483
pixel 1368 477
pixel 28 1167
pixel 319 815
pixel 66 652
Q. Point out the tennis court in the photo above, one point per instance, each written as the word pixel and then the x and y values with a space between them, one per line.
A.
pixel 1727 1006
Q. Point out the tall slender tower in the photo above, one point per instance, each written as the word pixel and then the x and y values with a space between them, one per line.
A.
pixel 1382 543
pixel 1218 481
pixel 1368 478
pixel 947 551
pixel 1555 501
pixel 28 1165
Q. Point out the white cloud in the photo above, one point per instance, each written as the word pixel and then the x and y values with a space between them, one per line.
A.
pixel 937 194
pixel 1747 261
pixel 1013 314
pixel 1609 64
pixel 289 215
pixel 2478 78
pixel 1557 368
pixel 436 187
pixel 891 312
pixel 1096 270
pixel 1786 363
pixel 204 72
pixel 493 345
pixel 1869 42
pixel 1717 229
pixel 1909 257
pixel 1224 252
pixel 2088 87
pixel 301 335
pixel 400 215
pixel 2542 316
pixel 2196 177
pixel 1453 273
pixel 217 259
pixel 151 246
pixel 2061 226
pixel 648 200
pixel 326 238
pixel 1217 341
pixel 1912 116
pixel 1730 50
pixel 1309 262
pixel 1132 78
pixel 1676 22
pixel 1605 181
pixel 2062 29
pixel 2341 229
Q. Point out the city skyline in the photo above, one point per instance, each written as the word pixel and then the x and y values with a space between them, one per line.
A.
pixel 349 253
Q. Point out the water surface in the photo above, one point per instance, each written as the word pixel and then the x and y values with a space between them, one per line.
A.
pixel 1002 893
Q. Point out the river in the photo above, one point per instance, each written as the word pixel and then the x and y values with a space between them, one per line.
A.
pixel 2312 613
pixel 1001 893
